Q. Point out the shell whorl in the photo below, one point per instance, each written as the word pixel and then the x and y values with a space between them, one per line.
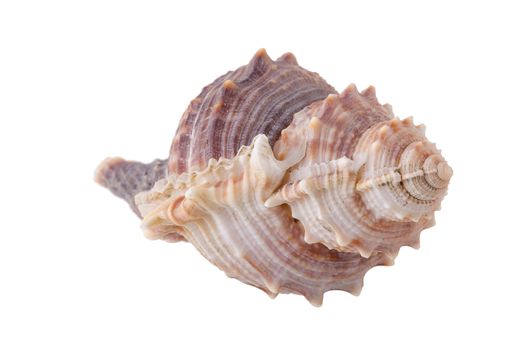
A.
pixel 404 176
pixel 286 185
pixel 221 212
pixel 259 98
pixel 368 182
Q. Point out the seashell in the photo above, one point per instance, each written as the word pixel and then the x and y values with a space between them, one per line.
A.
pixel 368 181
pixel 259 98
pixel 286 185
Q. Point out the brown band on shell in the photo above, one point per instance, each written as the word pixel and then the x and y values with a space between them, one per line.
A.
pixel 259 98
pixel 222 214
pixel 332 127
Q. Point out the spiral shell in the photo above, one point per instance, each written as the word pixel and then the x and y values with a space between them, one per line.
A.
pixel 363 184
pixel 286 185
pixel 259 98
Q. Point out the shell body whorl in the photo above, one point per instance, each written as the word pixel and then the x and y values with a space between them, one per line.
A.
pixel 286 185
pixel 223 215
pixel 259 98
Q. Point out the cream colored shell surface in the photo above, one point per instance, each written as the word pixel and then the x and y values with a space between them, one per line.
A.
pixel 286 185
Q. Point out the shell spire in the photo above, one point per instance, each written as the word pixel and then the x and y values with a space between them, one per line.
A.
pixel 286 185
pixel 375 189
pixel 401 179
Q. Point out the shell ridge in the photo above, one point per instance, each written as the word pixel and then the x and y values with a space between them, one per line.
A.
pixel 286 185
pixel 287 264
pixel 243 109
pixel 330 207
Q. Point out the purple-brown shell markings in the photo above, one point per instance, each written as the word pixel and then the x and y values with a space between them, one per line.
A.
pixel 224 216
pixel 127 178
pixel 286 185
pixel 259 98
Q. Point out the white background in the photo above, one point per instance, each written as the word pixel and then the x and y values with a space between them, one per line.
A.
pixel 81 80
